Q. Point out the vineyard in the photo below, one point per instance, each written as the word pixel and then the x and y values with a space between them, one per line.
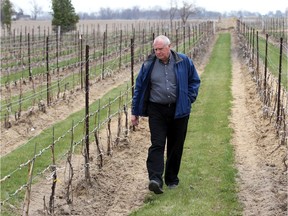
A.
pixel 272 86
pixel 65 101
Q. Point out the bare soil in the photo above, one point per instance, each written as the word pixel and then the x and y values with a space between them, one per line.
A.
pixel 121 185
pixel 262 176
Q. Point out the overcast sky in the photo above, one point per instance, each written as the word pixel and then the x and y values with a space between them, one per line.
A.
pixel 261 6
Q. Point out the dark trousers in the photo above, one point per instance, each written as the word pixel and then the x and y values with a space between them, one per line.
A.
pixel 165 129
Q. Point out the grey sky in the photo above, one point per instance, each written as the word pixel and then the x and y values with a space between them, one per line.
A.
pixel 261 6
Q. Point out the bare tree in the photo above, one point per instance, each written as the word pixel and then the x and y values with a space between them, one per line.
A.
pixel 107 13
pixel 36 9
pixel 172 11
pixel 186 10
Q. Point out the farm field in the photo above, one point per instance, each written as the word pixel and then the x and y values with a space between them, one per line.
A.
pixel 262 177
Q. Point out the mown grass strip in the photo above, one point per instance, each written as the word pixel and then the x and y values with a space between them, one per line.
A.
pixel 207 176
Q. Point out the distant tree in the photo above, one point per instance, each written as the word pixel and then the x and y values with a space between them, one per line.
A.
pixel 6 14
pixel 64 15
pixel 19 13
pixel 172 11
pixel 36 9
pixel 278 13
pixel 270 14
pixel 135 12
pixel 186 10
pixel 107 13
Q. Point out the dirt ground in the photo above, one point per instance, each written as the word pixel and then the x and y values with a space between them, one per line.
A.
pixel 121 185
pixel 262 176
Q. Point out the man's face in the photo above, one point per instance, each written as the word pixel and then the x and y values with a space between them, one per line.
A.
pixel 161 50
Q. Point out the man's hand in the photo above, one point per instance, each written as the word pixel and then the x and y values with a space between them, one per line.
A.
pixel 134 120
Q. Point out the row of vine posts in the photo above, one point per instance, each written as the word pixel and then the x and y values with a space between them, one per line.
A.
pixel 272 81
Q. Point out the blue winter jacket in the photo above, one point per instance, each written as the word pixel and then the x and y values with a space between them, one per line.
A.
pixel 188 83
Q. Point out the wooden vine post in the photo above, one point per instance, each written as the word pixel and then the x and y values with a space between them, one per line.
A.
pixel 86 153
pixel 120 49
pixel 29 183
pixel 29 58
pixel 109 136
pixel 20 100
pixel 81 61
pixel 69 199
pixel 47 71
pixel 125 109
pixel 57 61
pixel 99 151
pixel 54 173
pixel 97 139
pixel 103 55
pixel 119 121
pixel 132 70
pixel 279 82
pixel 177 41
pixel 184 46
pixel 265 71
pixel 257 57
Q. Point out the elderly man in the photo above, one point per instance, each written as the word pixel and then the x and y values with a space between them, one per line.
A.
pixel 165 89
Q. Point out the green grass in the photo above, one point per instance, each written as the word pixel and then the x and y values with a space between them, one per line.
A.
pixel 274 61
pixel 207 176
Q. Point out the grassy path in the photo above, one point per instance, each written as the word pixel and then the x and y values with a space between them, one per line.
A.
pixel 207 175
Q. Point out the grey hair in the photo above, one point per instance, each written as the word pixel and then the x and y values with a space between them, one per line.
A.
pixel 162 38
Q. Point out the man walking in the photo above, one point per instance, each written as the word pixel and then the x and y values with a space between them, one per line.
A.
pixel 165 89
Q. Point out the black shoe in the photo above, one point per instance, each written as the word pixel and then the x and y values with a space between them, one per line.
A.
pixel 155 187
pixel 172 186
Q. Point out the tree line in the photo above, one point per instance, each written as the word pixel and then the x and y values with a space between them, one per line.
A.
pixel 63 14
